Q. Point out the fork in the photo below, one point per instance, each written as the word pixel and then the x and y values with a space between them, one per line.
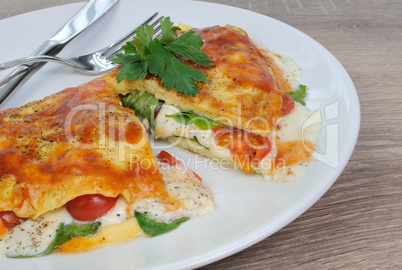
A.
pixel 95 63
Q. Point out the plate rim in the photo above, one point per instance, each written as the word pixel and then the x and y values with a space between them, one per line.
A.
pixel 291 217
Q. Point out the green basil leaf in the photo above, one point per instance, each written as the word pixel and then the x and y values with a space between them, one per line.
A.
pixel 153 228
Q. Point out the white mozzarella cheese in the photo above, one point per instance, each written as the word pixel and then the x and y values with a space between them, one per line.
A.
pixel 32 237
pixel 116 215
pixel 291 70
pixel 293 128
pixel 192 199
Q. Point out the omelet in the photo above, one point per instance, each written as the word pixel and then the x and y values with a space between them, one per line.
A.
pixel 239 111
pixel 79 165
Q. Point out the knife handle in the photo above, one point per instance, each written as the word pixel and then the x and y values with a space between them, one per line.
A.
pixel 18 77
pixel 22 74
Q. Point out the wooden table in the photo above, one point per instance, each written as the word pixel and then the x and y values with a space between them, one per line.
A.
pixel 357 224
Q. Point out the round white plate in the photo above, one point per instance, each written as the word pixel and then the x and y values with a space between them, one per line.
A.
pixel 248 209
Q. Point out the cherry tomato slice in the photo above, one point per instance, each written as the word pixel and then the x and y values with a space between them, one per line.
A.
pixel 288 104
pixel 247 148
pixel 167 158
pixel 10 220
pixel 90 207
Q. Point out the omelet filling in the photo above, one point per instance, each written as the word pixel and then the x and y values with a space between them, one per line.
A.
pixel 290 144
pixel 35 237
pixel 32 238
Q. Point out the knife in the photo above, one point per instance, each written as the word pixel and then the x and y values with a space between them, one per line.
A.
pixel 90 13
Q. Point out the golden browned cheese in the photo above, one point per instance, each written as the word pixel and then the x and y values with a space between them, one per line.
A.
pixel 78 141
pixel 244 87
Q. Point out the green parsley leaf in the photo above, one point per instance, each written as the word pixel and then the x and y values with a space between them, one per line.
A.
pixel 132 71
pixel 157 58
pixel 129 48
pixel 143 37
pixel 181 77
pixel 298 95
pixel 124 59
pixel 153 228
pixel 188 45
pixel 147 55
pixel 168 31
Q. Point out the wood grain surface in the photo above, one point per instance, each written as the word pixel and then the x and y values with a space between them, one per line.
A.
pixel 357 224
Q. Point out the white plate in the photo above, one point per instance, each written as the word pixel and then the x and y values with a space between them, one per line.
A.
pixel 248 209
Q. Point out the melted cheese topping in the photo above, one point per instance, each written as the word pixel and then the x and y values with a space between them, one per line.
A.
pixel 78 141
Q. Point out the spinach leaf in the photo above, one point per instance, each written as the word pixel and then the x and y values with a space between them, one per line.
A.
pixel 153 228
pixel 298 95
pixel 143 104
pixel 196 140
pixel 187 118
pixel 66 233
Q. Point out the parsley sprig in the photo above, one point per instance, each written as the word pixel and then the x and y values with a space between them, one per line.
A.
pixel 146 55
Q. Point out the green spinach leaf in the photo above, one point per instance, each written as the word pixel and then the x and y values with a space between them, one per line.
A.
pixel 298 95
pixel 153 228
pixel 66 233
pixel 187 118
pixel 143 104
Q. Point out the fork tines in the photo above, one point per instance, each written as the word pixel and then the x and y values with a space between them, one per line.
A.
pixel 116 46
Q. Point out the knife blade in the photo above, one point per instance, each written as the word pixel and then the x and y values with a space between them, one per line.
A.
pixel 90 13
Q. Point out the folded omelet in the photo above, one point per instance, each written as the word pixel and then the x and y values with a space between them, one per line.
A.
pixel 239 75
pixel 79 141
pixel 244 106
pixel 78 149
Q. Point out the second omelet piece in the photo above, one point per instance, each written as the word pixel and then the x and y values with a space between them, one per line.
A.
pixel 244 86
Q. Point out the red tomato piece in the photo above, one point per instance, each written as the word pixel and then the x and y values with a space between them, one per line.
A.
pixel 10 220
pixel 167 158
pixel 288 104
pixel 90 207
pixel 247 148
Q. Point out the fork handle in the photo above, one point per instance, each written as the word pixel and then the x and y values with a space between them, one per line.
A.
pixel 33 59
